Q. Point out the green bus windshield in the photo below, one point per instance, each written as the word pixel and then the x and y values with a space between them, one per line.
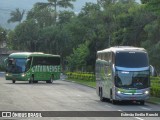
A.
pixel 16 65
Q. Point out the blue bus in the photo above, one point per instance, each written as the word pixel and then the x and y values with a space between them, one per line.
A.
pixel 123 74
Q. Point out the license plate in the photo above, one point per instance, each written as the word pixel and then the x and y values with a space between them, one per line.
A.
pixel 132 98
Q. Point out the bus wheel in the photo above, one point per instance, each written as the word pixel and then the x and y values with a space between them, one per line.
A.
pixel 114 101
pixel 31 80
pixel 51 80
pixel 101 95
pixel 35 81
pixel 142 102
pixel 13 81
pixel 111 98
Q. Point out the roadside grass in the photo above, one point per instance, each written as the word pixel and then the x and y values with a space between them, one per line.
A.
pixel 89 83
pixel 154 100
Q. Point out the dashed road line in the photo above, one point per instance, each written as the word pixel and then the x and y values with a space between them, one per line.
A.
pixel 138 118
pixel 144 108
pixel 107 105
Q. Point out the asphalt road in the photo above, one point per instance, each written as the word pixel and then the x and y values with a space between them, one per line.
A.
pixel 61 96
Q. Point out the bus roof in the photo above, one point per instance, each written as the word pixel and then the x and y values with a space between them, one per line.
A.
pixel 31 54
pixel 121 48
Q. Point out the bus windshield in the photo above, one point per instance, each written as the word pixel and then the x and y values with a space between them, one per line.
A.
pixel 131 59
pixel 16 65
pixel 136 80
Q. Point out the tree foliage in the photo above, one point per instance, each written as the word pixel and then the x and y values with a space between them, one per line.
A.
pixel 43 17
pixel 78 58
pixel 53 4
pixel 3 34
pixel 16 16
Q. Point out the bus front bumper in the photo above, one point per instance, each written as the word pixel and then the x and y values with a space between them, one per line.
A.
pixel 17 77
pixel 143 95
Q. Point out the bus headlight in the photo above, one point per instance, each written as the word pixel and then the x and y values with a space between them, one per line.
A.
pixel 7 74
pixel 23 75
pixel 146 92
pixel 119 92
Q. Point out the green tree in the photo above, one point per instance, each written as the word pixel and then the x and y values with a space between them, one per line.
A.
pixel 3 38
pixel 152 43
pixel 144 1
pixel 65 16
pixel 16 16
pixel 56 3
pixel 44 17
pixel 25 36
pixel 131 25
pixel 154 6
pixel 77 60
pixel 11 39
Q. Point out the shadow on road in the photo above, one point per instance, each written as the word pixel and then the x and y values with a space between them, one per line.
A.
pixel 35 84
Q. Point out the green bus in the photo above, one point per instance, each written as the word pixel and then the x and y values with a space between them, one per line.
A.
pixel 32 67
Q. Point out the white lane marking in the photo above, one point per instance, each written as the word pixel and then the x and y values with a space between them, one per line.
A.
pixel 79 95
pixel 107 105
pixel 145 108
pixel 138 118
pixel 120 110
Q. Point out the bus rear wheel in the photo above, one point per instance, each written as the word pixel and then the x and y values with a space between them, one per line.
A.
pixel 13 81
pixel 101 95
pixel 50 81
pixel 35 81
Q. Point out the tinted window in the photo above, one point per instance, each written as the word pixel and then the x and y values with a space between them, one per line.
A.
pixel 46 61
pixel 131 59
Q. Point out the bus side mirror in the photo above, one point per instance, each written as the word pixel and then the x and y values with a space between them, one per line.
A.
pixel 152 71
pixel 27 61
pixel 6 62
pixel 113 69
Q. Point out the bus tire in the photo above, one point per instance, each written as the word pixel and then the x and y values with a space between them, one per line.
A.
pixel 142 102
pixel 51 79
pixel 111 98
pixel 13 81
pixel 101 95
pixel 114 101
pixel 31 81
pixel 35 81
